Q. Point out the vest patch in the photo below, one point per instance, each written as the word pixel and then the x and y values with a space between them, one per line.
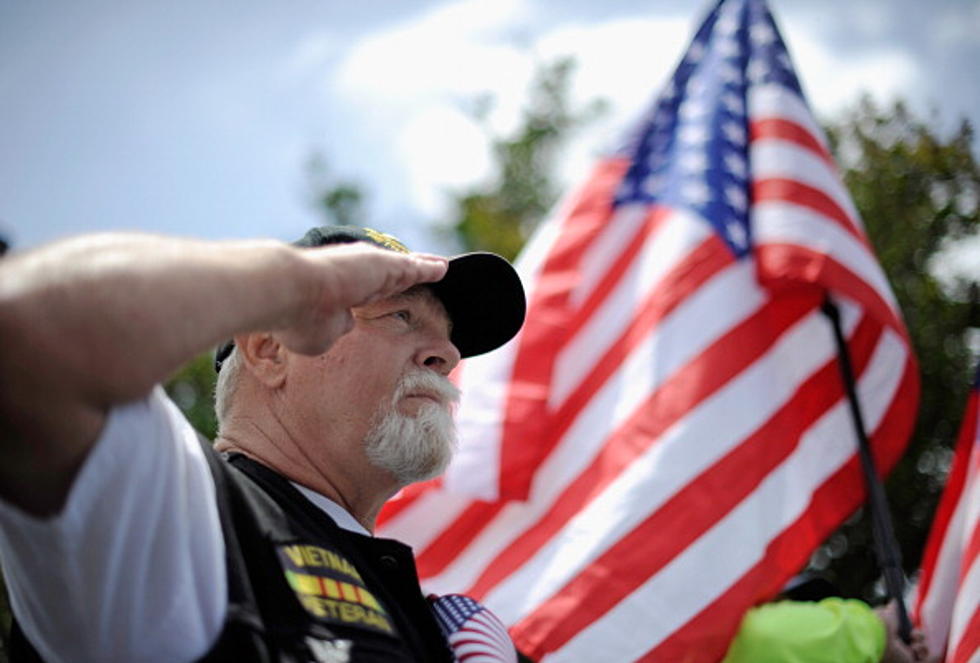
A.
pixel 331 589
pixel 325 651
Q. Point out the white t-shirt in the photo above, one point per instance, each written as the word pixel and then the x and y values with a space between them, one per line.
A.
pixel 133 567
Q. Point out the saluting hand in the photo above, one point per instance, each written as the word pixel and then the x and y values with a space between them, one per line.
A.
pixel 350 275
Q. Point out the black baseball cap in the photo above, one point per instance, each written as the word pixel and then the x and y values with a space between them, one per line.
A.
pixel 481 291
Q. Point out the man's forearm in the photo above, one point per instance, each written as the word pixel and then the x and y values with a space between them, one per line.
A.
pixel 108 316
pixel 95 321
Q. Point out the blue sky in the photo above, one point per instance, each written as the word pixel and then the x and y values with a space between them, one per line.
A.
pixel 198 118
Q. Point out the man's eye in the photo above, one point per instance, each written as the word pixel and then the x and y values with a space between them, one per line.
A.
pixel 404 316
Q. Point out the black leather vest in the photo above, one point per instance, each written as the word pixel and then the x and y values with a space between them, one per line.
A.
pixel 303 589
pixel 300 588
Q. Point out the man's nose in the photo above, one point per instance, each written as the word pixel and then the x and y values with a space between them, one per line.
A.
pixel 440 355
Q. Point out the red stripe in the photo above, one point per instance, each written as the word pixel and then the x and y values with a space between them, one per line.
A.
pixel 644 552
pixel 947 505
pixel 686 277
pixel 705 638
pixel 456 536
pixel 700 378
pixel 541 339
pixel 969 644
pixel 798 193
pixel 784 266
pixel 406 498
pixel 782 129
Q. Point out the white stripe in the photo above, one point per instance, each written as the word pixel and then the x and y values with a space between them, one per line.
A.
pixel 425 519
pixel 727 551
pixel 774 158
pixel 615 236
pixel 779 222
pixel 775 101
pixel 539 246
pixel 937 604
pixel 968 595
pixel 967 604
pixel 678 235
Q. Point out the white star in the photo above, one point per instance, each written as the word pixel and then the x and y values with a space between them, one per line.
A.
pixel 757 70
pixel 728 48
pixel 691 108
pixel 652 185
pixel 736 233
pixel 693 162
pixel 735 195
pixel 693 134
pixel 735 163
pixel 733 103
pixel 696 192
pixel 729 73
pixel 727 24
pixel 696 86
pixel 761 34
pixel 734 132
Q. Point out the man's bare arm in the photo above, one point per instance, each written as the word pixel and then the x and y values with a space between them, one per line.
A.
pixel 95 321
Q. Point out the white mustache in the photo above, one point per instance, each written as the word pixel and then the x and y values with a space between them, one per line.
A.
pixel 430 384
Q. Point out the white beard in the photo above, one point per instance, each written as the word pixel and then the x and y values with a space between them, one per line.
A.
pixel 419 447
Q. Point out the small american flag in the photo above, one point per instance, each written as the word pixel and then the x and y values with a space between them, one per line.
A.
pixel 474 634
pixel 667 440
pixel 947 607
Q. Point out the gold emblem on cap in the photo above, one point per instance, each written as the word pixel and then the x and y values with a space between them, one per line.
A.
pixel 386 240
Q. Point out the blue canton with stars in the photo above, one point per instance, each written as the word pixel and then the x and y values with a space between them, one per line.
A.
pixel 691 151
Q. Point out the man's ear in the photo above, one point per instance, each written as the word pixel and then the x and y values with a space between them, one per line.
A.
pixel 264 356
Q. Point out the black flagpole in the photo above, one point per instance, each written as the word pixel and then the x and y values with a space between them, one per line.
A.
pixel 886 547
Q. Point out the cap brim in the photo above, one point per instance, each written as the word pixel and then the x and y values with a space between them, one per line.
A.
pixel 484 298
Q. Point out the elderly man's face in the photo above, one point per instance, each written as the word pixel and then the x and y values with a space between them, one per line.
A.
pixel 384 385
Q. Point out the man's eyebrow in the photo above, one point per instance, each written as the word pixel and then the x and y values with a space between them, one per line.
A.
pixel 422 292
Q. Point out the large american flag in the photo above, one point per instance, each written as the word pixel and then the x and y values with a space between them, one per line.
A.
pixel 667 440
pixel 947 607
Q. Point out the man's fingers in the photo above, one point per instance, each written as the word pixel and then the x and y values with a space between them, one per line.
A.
pixel 351 275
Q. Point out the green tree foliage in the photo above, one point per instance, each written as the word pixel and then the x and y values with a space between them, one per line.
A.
pixel 341 201
pixel 192 389
pixel 500 216
pixel 917 193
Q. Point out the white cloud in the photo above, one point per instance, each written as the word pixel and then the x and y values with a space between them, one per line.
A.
pixel 412 80
pixel 833 80
pixel 457 47
pixel 625 63
pixel 411 83
pixel 441 148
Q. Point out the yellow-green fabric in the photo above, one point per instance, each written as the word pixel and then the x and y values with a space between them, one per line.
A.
pixel 830 631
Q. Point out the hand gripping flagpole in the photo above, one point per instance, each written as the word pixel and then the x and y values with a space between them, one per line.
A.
pixel 886 546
